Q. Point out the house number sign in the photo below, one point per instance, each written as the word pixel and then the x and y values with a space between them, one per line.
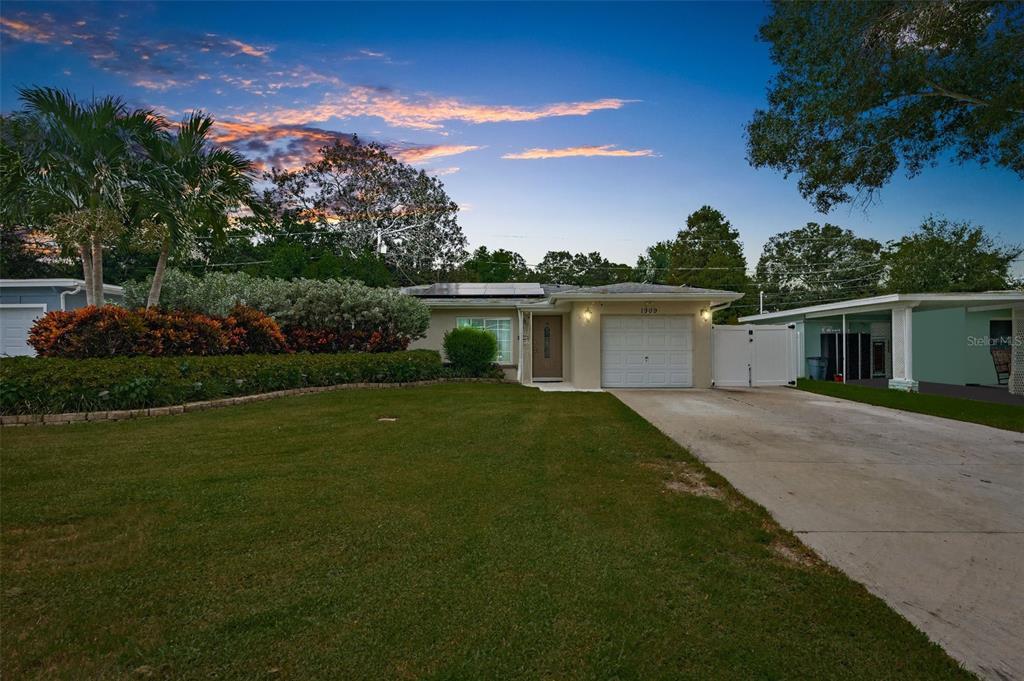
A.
pixel 647 308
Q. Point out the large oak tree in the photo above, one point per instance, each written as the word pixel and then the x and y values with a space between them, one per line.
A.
pixel 373 203
pixel 949 256
pixel 866 87
pixel 816 264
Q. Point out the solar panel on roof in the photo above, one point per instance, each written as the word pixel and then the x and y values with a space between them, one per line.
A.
pixel 480 290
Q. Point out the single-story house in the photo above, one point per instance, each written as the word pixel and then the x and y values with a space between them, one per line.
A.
pixel 585 338
pixel 24 300
pixel 905 338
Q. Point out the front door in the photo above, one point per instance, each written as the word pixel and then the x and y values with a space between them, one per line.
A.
pixel 547 346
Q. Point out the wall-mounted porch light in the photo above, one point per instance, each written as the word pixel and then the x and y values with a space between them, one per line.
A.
pixel 587 315
pixel 705 314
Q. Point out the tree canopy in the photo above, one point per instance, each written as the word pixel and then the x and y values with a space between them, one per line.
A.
pixel 372 202
pixel 498 265
pixel 708 253
pixel 67 169
pixel 865 87
pixel 186 185
pixel 653 265
pixel 580 269
pixel 949 256
pixel 817 263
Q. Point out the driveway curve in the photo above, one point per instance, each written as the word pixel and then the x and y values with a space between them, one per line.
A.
pixel 926 512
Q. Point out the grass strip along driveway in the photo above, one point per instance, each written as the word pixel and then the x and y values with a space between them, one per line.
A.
pixel 1005 416
pixel 490 531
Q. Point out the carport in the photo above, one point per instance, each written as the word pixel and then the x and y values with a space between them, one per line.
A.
pixel 961 339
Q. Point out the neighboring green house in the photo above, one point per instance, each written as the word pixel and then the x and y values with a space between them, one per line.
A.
pixel 952 338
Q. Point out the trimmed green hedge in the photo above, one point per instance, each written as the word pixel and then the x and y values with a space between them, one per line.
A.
pixel 471 351
pixel 49 385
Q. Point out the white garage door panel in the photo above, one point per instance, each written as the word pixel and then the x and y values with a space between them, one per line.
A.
pixel 15 322
pixel 647 352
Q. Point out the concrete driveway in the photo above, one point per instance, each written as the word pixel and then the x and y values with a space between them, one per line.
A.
pixel 926 512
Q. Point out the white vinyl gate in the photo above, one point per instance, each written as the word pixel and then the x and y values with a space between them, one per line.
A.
pixel 752 356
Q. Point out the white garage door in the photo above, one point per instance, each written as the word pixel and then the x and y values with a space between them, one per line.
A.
pixel 647 352
pixel 15 321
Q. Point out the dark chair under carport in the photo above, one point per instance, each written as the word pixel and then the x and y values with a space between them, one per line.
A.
pixel 1001 360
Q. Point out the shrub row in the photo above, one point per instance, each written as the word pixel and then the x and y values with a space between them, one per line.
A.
pixel 331 305
pixel 111 331
pixel 42 385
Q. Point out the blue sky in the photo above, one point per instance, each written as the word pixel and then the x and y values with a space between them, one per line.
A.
pixel 556 127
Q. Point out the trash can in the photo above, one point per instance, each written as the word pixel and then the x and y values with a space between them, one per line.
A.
pixel 816 367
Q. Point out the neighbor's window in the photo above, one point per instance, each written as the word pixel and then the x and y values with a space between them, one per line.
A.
pixel 1000 333
pixel 502 330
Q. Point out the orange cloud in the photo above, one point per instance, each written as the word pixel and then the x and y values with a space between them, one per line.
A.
pixel 424 113
pixel 22 30
pixel 251 50
pixel 285 147
pixel 227 132
pixel 291 146
pixel 420 154
pixel 567 152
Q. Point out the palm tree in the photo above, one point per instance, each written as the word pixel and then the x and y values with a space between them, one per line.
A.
pixel 187 184
pixel 76 165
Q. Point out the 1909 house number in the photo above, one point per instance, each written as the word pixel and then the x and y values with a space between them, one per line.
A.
pixel 648 309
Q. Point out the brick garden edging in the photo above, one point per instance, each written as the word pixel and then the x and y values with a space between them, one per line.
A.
pixel 124 414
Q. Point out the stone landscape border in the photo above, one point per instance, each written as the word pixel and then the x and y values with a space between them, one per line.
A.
pixel 125 414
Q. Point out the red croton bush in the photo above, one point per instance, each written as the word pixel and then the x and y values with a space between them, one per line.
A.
pixel 112 331
pixel 324 340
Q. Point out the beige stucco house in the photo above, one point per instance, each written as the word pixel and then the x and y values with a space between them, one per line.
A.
pixel 585 338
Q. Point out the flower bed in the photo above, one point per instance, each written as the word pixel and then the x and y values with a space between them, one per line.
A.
pixel 46 385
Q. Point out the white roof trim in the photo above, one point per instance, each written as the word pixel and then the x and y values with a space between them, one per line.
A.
pixel 56 283
pixel 891 300
pixel 681 295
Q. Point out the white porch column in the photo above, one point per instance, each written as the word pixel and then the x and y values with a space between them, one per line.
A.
pixel 522 346
pixel 846 376
pixel 1017 352
pixel 903 350
pixel 525 346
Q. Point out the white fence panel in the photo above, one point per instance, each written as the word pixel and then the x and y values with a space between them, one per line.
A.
pixel 774 356
pixel 731 356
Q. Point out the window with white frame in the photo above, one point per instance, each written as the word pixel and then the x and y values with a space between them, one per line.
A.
pixel 500 327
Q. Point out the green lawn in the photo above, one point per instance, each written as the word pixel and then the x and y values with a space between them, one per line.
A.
pixel 1005 416
pixel 492 531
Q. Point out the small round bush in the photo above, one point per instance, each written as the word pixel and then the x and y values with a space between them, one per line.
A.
pixel 470 350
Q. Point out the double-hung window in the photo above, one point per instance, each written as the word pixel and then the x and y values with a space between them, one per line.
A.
pixel 500 327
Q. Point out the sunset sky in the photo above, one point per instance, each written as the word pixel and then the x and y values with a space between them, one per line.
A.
pixel 556 127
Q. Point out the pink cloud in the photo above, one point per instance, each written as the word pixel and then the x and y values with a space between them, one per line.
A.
pixel 247 49
pixel 419 154
pixel 568 152
pixel 23 30
pixel 291 146
pixel 424 112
